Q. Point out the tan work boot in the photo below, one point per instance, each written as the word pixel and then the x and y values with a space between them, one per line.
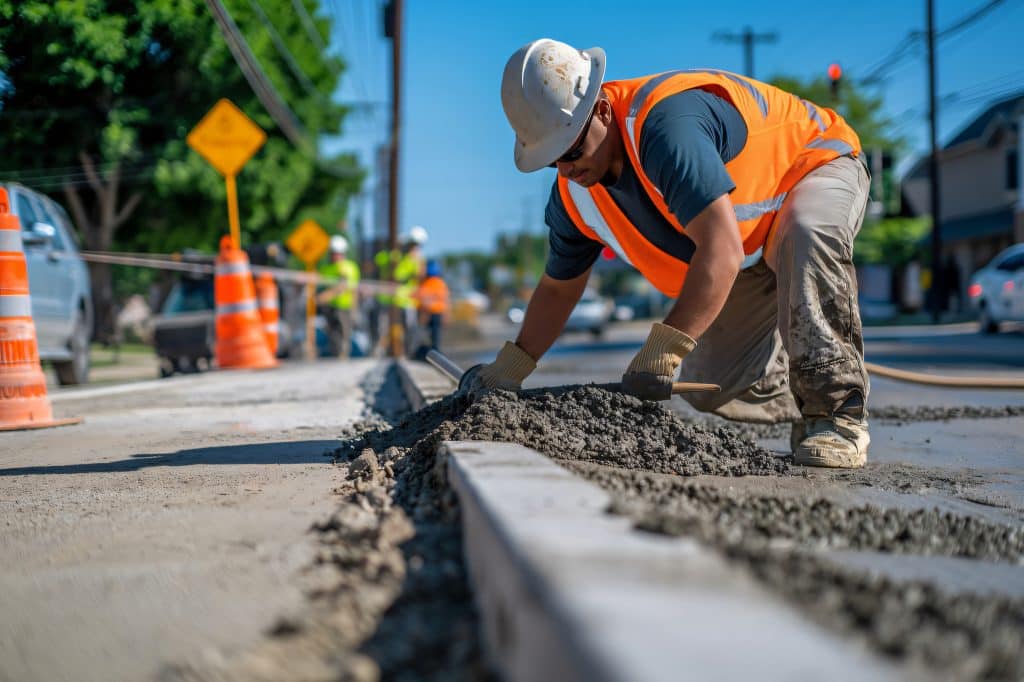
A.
pixel 840 442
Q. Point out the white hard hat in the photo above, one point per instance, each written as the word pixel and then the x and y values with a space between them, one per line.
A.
pixel 417 234
pixel 548 91
pixel 339 244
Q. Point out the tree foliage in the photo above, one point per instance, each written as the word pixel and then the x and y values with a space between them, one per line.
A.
pixel 861 110
pixel 891 241
pixel 97 96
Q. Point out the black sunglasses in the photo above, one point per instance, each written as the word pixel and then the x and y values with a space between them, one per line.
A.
pixel 576 151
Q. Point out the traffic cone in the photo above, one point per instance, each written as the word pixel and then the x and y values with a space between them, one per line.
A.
pixel 266 299
pixel 23 401
pixel 240 339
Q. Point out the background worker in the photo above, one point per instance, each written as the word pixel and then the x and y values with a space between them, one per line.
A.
pixel 405 267
pixel 433 301
pixel 341 299
pixel 740 200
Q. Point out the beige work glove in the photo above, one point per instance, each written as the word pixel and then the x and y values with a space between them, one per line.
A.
pixel 652 371
pixel 507 372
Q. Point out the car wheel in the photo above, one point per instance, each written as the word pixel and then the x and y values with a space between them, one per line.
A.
pixel 76 370
pixel 597 332
pixel 986 324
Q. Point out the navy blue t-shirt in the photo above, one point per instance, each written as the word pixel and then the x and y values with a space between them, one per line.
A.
pixel 685 143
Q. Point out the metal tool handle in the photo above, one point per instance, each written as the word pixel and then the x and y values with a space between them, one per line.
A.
pixel 445 366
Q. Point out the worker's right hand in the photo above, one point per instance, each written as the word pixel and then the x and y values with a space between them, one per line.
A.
pixel 507 372
pixel 652 371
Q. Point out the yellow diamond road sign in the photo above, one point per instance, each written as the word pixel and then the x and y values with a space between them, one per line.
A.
pixel 308 242
pixel 226 138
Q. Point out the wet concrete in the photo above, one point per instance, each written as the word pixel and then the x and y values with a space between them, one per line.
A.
pixel 795 529
pixel 591 424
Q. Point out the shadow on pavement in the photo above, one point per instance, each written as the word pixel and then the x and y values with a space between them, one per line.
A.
pixel 285 452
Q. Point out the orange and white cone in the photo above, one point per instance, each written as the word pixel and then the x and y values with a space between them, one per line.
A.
pixel 240 339
pixel 270 313
pixel 23 400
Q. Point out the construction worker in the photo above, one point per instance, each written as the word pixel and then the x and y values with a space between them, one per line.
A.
pixel 433 301
pixel 405 266
pixel 739 200
pixel 341 299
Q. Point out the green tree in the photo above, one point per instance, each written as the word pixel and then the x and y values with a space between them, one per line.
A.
pixel 892 241
pixel 860 109
pixel 96 97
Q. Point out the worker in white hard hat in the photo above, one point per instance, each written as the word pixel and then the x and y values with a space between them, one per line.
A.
pixel 739 200
pixel 341 300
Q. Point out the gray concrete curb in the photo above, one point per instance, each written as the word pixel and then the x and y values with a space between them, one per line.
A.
pixel 421 383
pixel 569 592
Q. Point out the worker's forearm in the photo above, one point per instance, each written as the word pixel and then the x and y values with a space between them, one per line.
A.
pixel 704 293
pixel 546 314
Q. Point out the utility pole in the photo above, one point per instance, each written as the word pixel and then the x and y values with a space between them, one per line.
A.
pixel 748 38
pixel 938 279
pixel 393 29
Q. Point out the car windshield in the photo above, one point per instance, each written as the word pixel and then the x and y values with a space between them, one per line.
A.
pixel 189 296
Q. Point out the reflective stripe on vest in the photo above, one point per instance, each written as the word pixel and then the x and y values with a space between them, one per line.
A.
pixel 593 218
pixel 15 306
pixel 839 146
pixel 10 241
pixel 812 111
pixel 268 303
pixel 229 308
pixel 231 268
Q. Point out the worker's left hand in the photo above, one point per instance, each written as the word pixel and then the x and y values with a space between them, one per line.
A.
pixel 652 371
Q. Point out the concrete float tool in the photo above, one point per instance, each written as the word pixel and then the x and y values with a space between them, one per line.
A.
pixel 448 368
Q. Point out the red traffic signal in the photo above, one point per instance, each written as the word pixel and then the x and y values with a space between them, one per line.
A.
pixel 835 72
pixel 607 254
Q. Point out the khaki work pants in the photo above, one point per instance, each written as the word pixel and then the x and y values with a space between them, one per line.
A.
pixel 788 341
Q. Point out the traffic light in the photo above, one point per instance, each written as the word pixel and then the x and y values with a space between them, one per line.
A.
pixel 835 72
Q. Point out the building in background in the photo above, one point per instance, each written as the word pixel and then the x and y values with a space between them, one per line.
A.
pixel 982 193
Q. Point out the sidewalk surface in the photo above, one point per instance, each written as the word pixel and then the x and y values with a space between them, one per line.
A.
pixel 171 522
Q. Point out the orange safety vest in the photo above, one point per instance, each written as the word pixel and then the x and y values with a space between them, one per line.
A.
pixel 432 295
pixel 787 138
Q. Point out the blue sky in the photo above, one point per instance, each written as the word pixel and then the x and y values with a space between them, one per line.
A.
pixel 457 175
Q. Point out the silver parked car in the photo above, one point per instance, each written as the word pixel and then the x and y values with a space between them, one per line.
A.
pixel 997 290
pixel 58 282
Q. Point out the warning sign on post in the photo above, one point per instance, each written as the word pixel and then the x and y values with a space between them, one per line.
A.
pixel 308 242
pixel 226 138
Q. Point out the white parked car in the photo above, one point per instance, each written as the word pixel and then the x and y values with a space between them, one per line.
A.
pixel 997 290
pixel 58 283
pixel 591 314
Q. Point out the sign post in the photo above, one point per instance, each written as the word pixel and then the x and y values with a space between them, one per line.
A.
pixel 227 139
pixel 309 242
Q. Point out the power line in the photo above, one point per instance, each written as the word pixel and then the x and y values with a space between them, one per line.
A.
pixel 307 23
pixel 258 81
pixel 268 96
pixel 285 53
pixel 912 42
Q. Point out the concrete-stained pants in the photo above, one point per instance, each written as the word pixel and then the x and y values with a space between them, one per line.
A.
pixel 791 326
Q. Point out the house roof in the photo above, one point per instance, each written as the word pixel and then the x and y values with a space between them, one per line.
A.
pixel 1004 109
pixel 1003 112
